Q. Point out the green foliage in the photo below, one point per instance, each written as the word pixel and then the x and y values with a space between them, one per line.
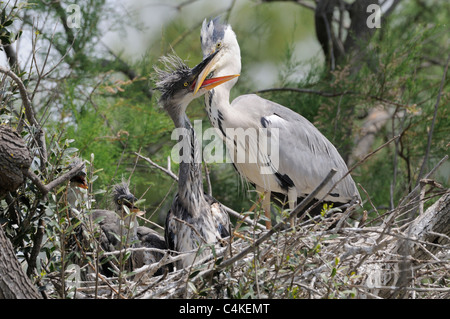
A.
pixel 396 78
pixel 89 107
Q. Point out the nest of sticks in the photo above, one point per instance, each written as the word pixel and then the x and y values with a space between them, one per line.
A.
pixel 322 257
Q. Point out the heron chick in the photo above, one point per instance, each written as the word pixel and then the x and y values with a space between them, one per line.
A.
pixel 122 224
pixel 195 218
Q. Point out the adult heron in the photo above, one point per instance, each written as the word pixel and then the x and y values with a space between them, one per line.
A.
pixel 195 218
pixel 299 155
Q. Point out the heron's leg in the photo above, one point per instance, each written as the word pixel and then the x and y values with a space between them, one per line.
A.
pixel 266 206
pixel 292 198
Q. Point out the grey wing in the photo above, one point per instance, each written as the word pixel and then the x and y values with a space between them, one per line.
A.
pixel 149 238
pixel 170 231
pixel 109 224
pixel 305 156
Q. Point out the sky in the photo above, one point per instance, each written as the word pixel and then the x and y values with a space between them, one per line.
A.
pixel 145 21
pixel 152 15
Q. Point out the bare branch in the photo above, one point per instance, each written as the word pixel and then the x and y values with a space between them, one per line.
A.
pixel 63 178
pixel 29 112
pixel 278 226
pixel 165 170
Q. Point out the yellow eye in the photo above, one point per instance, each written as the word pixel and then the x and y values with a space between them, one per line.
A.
pixel 219 44
pixel 119 201
pixel 186 84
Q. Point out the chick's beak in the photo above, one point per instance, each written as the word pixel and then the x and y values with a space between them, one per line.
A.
pixel 84 186
pixel 137 211
pixel 133 209
pixel 80 181
pixel 204 68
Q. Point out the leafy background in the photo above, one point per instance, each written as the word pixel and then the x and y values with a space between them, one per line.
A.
pixel 97 102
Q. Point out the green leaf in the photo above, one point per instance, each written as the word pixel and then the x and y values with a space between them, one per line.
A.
pixel 218 261
pixel 333 272
pixel 192 287
pixel 194 273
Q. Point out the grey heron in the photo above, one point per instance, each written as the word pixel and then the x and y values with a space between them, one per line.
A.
pixel 120 229
pixel 117 225
pixel 77 184
pixel 304 154
pixel 195 218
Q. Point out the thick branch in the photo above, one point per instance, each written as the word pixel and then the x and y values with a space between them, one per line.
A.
pixel 431 228
pixel 14 284
pixel 63 178
pixel 29 112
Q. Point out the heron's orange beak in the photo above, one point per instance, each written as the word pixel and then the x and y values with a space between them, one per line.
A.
pixel 213 82
pixel 137 211
pixel 84 185
pixel 81 182
pixel 209 84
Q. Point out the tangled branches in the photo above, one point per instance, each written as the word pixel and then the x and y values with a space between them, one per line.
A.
pixel 398 258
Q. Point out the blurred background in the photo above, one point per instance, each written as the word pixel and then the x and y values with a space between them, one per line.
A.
pixel 91 85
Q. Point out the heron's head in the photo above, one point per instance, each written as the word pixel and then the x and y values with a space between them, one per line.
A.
pixel 177 83
pixel 78 180
pixel 123 197
pixel 219 40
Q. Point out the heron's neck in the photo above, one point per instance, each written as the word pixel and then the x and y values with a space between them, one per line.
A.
pixel 190 183
pixel 217 102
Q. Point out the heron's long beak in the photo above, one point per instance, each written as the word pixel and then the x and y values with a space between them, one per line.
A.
pixel 137 211
pixel 209 84
pixel 213 82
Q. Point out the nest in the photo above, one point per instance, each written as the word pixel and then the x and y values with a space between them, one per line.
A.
pixel 321 258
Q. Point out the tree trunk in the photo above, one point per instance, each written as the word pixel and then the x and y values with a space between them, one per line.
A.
pixel 14 284
pixel 14 160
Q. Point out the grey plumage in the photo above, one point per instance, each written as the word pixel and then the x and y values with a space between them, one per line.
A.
pixel 305 155
pixel 149 238
pixel 194 218
pixel 117 225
